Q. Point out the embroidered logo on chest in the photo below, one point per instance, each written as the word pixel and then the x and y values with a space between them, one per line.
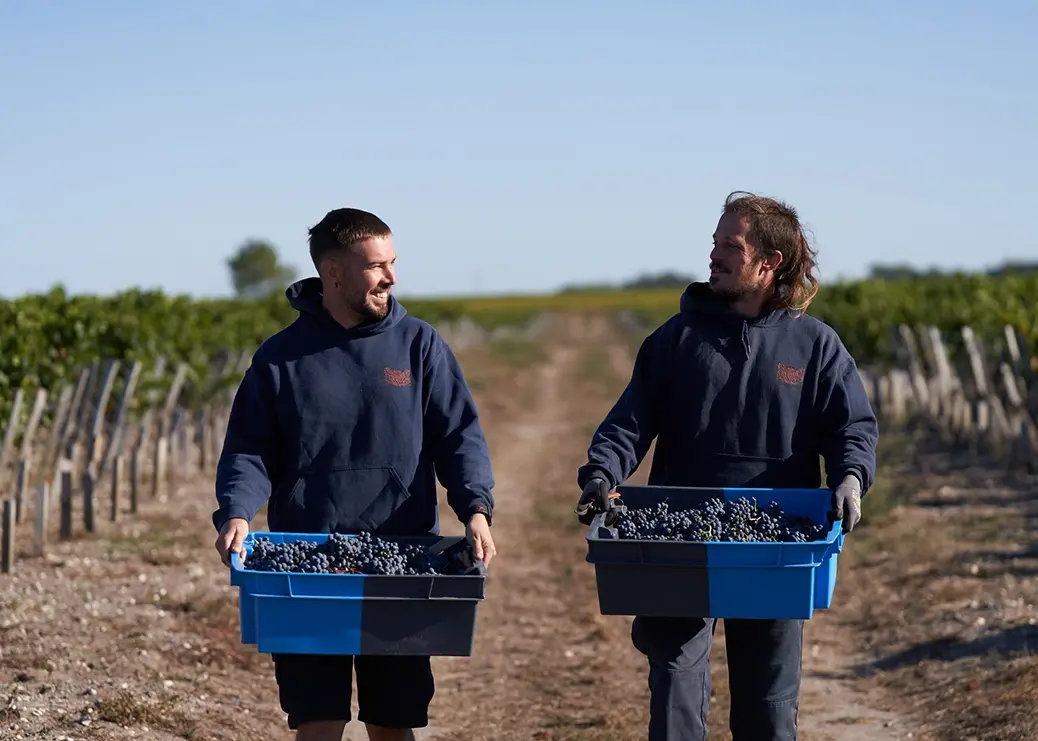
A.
pixel 789 375
pixel 397 377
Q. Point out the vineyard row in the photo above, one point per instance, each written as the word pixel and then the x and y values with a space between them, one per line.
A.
pixel 111 439
pixel 47 339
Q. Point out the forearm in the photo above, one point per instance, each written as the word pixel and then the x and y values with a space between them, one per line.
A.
pixel 849 431
pixel 852 453
pixel 242 487
pixel 465 472
pixel 471 499
pixel 245 468
pixel 617 447
pixel 456 439
pixel 623 438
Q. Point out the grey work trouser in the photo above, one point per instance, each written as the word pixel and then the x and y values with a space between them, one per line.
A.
pixel 764 660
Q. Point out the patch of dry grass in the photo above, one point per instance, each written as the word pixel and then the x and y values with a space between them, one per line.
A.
pixel 127 710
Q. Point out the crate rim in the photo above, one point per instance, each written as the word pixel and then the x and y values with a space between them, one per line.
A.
pixel 237 565
pixel 832 538
pixel 674 487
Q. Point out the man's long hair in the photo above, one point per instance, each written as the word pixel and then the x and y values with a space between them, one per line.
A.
pixel 775 228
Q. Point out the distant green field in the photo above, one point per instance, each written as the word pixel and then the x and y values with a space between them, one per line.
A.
pixel 499 310
pixel 47 338
pixel 862 311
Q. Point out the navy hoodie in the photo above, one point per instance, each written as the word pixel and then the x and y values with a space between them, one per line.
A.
pixel 347 430
pixel 737 402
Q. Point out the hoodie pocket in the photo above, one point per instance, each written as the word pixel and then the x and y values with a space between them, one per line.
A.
pixel 345 498
pixel 747 471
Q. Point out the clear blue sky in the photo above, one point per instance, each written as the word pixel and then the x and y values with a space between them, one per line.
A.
pixel 511 146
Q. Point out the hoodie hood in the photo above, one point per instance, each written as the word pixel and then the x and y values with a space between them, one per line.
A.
pixel 306 297
pixel 700 298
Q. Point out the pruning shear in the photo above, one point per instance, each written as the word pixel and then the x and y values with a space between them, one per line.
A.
pixel 596 498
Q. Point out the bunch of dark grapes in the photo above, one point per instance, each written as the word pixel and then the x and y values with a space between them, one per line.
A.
pixel 361 554
pixel 717 520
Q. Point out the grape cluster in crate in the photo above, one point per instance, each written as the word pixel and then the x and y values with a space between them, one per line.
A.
pixel 359 554
pixel 717 520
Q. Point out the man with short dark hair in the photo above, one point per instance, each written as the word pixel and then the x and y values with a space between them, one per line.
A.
pixel 739 389
pixel 344 421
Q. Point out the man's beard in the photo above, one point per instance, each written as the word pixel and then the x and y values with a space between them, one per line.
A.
pixel 368 311
pixel 732 294
pixel 742 288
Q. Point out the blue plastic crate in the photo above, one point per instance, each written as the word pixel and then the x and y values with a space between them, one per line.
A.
pixel 358 614
pixel 716 579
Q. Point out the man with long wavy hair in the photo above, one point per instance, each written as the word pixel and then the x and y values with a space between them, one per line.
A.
pixel 740 388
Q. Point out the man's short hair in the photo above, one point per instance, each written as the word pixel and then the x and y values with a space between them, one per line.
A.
pixel 342 228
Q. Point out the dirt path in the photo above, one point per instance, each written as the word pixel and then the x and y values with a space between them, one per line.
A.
pixel 543 659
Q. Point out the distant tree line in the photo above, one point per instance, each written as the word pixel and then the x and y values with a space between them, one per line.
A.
pixel 908 272
pixel 666 279
pixel 887 272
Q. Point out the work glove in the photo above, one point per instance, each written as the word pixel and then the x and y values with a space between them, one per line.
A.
pixel 847 503
pixel 593 499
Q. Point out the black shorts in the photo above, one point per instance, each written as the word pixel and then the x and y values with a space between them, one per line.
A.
pixel 392 691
